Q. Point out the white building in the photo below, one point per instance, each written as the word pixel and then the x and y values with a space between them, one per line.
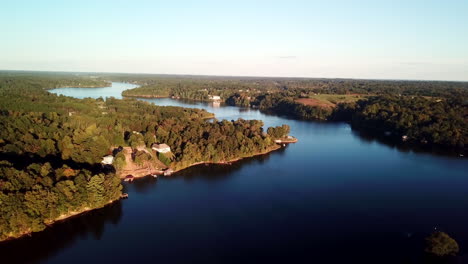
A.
pixel 107 160
pixel 215 97
pixel 162 148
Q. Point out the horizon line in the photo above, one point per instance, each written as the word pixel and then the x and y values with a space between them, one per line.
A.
pixel 234 76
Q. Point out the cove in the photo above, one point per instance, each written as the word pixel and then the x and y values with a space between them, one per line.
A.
pixel 334 197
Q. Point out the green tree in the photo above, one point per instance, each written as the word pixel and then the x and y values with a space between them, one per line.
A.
pixel 441 244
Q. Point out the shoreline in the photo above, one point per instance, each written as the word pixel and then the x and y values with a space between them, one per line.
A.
pixel 146 96
pixel 85 86
pixel 59 219
pixel 226 162
pixel 169 97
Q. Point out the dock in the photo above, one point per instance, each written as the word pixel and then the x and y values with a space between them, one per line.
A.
pixel 286 140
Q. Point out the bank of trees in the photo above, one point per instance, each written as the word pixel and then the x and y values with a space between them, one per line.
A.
pixel 422 120
pixel 38 194
pixel 51 147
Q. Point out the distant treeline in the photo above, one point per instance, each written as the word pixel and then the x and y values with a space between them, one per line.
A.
pixel 426 112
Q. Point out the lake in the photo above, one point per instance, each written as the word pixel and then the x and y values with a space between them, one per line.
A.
pixel 333 197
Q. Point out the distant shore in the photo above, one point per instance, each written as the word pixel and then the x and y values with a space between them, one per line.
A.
pixel 144 96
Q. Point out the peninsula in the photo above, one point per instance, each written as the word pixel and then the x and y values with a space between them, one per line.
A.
pixel 55 151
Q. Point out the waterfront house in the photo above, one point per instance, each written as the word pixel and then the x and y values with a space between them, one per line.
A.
pixel 107 160
pixel 168 172
pixel 215 97
pixel 162 148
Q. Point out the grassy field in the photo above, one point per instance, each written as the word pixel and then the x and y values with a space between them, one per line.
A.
pixel 330 100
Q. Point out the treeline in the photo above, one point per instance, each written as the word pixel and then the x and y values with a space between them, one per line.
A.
pixel 51 147
pixel 219 141
pixel 417 119
pixel 51 80
pixel 32 197
pixel 295 87
pixel 427 112
pixel 282 104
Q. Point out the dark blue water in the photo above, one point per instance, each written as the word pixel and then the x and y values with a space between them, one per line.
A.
pixel 334 197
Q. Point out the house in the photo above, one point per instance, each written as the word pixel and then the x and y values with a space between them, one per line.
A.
pixel 107 160
pixel 215 97
pixel 168 172
pixel 162 148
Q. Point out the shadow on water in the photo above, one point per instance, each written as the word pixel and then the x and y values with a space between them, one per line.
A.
pixel 43 245
pixel 213 172
pixel 405 147
pixel 142 185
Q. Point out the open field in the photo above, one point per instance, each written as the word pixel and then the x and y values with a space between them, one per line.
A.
pixel 330 100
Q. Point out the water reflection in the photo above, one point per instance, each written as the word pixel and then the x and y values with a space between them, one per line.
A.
pixel 336 191
pixel 142 185
pixel 43 245
pixel 404 147
pixel 213 172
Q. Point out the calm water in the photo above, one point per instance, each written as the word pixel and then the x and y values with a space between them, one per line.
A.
pixel 334 197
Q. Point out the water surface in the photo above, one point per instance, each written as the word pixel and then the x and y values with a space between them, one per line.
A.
pixel 334 197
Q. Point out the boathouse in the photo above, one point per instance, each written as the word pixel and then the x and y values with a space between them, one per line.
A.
pixel 129 178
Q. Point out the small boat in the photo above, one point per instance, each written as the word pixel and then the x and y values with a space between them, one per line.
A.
pixel 124 196
pixel 154 175
pixel 129 178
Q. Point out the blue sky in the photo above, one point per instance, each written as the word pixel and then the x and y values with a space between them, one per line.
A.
pixel 348 39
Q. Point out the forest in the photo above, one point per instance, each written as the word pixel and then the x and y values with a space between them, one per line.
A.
pixel 51 146
pixel 420 112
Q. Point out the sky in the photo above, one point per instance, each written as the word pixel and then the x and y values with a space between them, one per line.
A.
pixel 370 39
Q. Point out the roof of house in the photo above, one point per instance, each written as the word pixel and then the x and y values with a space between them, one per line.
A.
pixel 160 146
pixel 107 159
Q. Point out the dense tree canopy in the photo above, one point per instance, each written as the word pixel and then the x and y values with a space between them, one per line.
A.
pixel 441 244
pixel 51 146
pixel 426 112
